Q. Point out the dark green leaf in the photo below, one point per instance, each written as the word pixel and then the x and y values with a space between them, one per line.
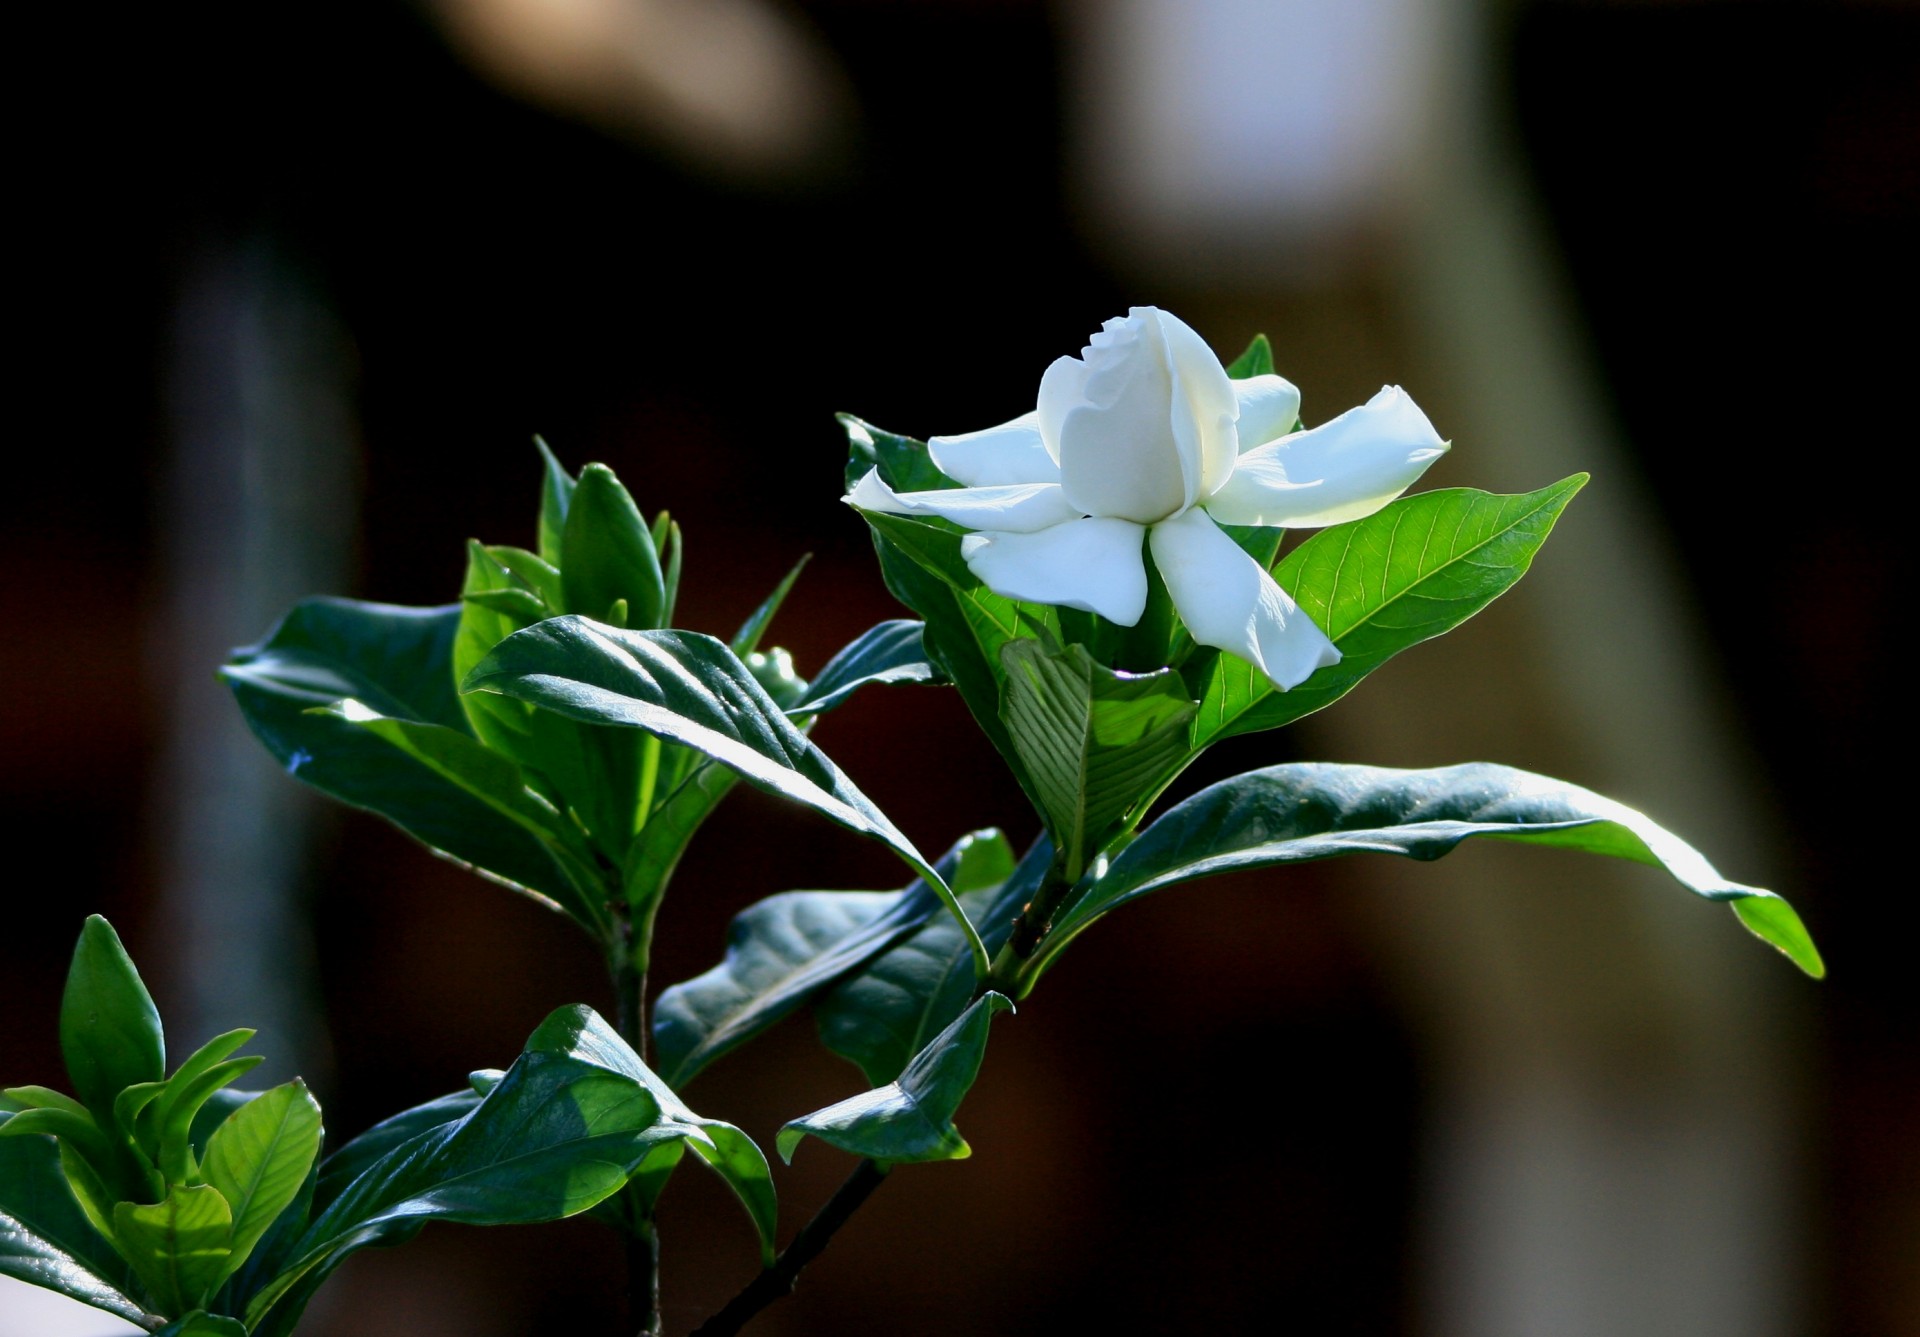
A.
pixel 109 1029
pixel 1418 567
pixel 689 689
pixel 259 1158
pixel 1290 814
pixel 572 1119
pixel 177 1246
pixel 911 1119
pixel 1256 361
pixel 746 640
pixel 884 1012
pixel 905 464
pixel 1096 743
pixel 891 652
pixel 782 950
pixel 202 1324
pixel 398 662
pixel 45 1239
pixel 607 552
pixel 353 1159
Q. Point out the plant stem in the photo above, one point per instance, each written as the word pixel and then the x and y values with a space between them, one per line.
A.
pixel 1029 930
pixel 629 969
pixel 776 1283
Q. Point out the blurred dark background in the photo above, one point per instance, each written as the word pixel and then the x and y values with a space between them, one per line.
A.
pixel 300 282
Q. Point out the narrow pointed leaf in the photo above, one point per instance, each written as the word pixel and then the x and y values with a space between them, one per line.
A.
pixel 1256 361
pixel 259 1158
pixel 911 1119
pixel 109 1029
pixel 784 949
pixel 397 662
pixel 1295 813
pixel 746 640
pixel 1418 567
pixel 202 1324
pixel 556 494
pixel 689 689
pixel 177 1246
pixel 893 652
pixel 1096 743
pixel 45 1238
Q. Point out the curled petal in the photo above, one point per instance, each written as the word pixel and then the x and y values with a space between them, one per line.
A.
pixel 1020 509
pixel 1063 386
pixel 1118 455
pixel 1269 407
pixel 995 456
pixel 1337 471
pixel 1092 564
pixel 1204 406
pixel 1229 602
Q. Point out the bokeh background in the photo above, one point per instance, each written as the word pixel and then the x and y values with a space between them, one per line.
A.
pixel 300 281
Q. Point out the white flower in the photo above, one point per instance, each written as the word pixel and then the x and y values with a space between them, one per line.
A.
pixel 1144 437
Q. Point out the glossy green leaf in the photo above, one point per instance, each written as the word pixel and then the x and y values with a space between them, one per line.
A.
pixel 1256 361
pixel 178 1246
pixel 746 640
pixel 607 552
pixel 1290 814
pixel 556 494
pixel 893 652
pixel 782 950
pixel 397 662
pixel 259 1158
pixel 110 1030
pixel 910 1119
pixel 1418 567
pixel 691 690
pixel 202 1324
pixel 353 1159
pixel 571 1120
pixel 45 1238
pixel 1096 743
pixel 154 1104
pixel 177 1159
pixel 886 1010
pixel 904 462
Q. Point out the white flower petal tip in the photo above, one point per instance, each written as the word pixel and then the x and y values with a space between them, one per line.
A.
pixel 1021 508
pixel 1230 603
pixel 1341 470
pixel 1013 452
pixel 1093 564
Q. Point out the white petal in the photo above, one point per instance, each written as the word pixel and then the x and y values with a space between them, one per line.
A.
pixel 1091 564
pixel 1063 386
pixel 1227 601
pixel 1203 410
pixel 1010 453
pixel 1337 471
pixel 1020 509
pixel 1269 407
pixel 1113 428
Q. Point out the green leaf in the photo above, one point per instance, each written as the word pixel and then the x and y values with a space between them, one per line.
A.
pixel 397 662
pixel 1256 361
pixel 1290 814
pixel 911 1119
pixel 355 1157
pixel 177 1160
pixel 45 1238
pixel 782 950
pixel 889 653
pixel 177 1246
pixel 746 640
pixel 607 552
pixel 556 494
pixel 1417 567
pixel 885 1011
pixel 502 786
pixel 905 463
pixel 573 1118
pixel 688 689
pixel 259 1158
pixel 202 1324
pixel 1097 743
pixel 110 1030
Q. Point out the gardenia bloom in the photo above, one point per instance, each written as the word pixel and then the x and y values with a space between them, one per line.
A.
pixel 1144 438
